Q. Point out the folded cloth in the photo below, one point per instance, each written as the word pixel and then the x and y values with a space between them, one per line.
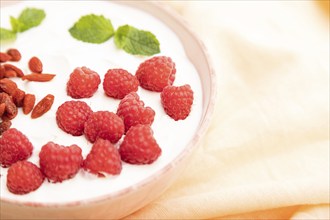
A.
pixel 266 153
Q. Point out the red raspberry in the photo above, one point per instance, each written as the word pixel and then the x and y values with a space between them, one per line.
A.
pixel 103 158
pixel 104 124
pixel 58 162
pixel 177 101
pixel 156 73
pixel 72 115
pixel 139 146
pixel 24 177
pixel 14 146
pixel 83 83
pixel 118 82
pixel 131 109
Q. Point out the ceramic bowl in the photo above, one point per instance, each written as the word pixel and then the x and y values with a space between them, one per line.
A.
pixel 124 202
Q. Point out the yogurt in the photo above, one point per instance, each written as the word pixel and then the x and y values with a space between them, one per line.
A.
pixel 60 54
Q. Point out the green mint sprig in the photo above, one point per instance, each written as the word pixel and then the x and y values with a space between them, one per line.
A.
pixel 7 35
pixel 29 18
pixel 137 42
pixel 97 29
pixel 92 29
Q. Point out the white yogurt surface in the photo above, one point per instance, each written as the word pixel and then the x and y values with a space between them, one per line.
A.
pixel 60 54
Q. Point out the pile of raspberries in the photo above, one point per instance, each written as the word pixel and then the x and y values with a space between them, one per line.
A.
pixel 104 129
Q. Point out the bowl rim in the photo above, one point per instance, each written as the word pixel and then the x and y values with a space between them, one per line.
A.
pixel 193 143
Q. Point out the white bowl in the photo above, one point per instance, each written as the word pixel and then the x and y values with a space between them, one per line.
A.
pixel 125 201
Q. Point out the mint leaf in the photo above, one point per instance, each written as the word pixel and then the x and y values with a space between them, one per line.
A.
pixel 7 35
pixel 92 29
pixel 135 41
pixel 15 24
pixel 29 18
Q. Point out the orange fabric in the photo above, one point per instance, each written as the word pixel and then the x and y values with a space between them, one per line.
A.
pixel 278 213
pixel 325 5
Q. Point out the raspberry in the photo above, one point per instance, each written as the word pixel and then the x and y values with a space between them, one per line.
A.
pixel 58 162
pixel 103 158
pixel 156 73
pixel 83 83
pixel 139 146
pixel 177 101
pixel 14 146
pixel 72 115
pixel 118 82
pixel 104 124
pixel 24 177
pixel 133 112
